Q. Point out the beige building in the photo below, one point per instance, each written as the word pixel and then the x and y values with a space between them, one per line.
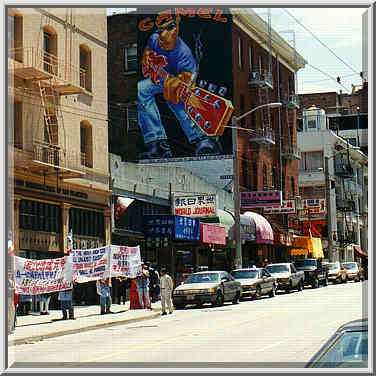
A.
pixel 57 122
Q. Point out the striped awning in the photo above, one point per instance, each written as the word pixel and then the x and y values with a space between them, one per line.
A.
pixel 298 252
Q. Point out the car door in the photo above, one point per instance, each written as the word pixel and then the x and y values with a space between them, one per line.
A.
pixel 233 285
pixel 267 280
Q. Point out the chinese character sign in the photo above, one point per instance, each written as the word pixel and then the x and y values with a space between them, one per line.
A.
pixel 90 264
pixel 187 228
pixel 195 206
pixel 34 277
pixel 159 225
pixel 287 207
pixel 125 261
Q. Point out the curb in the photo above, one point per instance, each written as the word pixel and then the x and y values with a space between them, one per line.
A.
pixel 32 339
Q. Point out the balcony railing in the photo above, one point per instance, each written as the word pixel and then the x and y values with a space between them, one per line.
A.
pixel 262 78
pixel 344 170
pixel 292 101
pixel 352 187
pixel 263 136
pixel 291 152
pixel 52 156
pixel 32 63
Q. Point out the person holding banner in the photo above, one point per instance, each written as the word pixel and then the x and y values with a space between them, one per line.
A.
pixel 44 301
pixel 104 292
pixel 65 298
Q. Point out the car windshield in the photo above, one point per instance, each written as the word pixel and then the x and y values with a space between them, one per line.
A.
pixel 202 278
pixel 350 350
pixel 243 274
pixel 333 266
pixel 277 268
pixel 303 263
pixel 350 266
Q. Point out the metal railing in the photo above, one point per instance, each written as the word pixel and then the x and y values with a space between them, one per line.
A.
pixel 261 77
pixel 33 57
pixel 292 100
pixel 291 152
pixel 264 135
pixel 54 156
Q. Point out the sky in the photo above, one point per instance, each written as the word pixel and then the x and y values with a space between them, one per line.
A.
pixel 340 29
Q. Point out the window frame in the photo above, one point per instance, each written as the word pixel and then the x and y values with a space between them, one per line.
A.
pixel 127 59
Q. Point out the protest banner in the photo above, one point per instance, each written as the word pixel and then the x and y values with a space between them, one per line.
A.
pixel 90 264
pixel 125 261
pixel 34 277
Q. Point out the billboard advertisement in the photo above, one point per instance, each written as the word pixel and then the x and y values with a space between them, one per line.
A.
pixel 185 84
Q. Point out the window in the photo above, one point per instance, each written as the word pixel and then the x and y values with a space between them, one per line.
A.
pixel 85 67
pixel 86 223
pixel 240 52
pixel 15 36
pixel 311 161
pixel 130 59
pixel 254 177
pixel 132 118
pixel 50 50
pixel 264 177
pixel 311 124
pixel 86 141
pixel 250 52
pixel 18 131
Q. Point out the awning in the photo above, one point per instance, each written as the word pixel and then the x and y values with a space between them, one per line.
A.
pixel 264 232
pixel 298 251
pixel 359 251
pixel 311 245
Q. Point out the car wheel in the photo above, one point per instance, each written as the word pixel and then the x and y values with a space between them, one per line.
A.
pixel 219 300
pixel 237 298
pixel 257 293
pixel 273 291
pixel 300 286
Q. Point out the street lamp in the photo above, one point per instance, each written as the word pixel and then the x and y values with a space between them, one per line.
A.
pixel 235 127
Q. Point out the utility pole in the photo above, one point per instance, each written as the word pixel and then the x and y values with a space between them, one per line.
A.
pixel 357 126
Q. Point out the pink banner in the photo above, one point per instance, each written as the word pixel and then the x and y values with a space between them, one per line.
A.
pixel 213 234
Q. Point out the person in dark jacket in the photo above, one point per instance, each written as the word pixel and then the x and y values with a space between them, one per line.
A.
pixel 65 298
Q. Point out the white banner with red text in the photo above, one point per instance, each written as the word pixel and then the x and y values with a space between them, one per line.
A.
pixel 125 261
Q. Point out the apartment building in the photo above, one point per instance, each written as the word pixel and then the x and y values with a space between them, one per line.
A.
pixel 57 127
pixel 333 183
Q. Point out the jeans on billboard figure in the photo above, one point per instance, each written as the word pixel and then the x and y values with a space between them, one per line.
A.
pixel 171 69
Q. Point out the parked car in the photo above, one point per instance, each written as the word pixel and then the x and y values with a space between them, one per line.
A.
pixel 255 282
pixel 288 278
pixel 353 271
pixel 347 347
pixel 336 273
pixel 315 272
pixel 214 287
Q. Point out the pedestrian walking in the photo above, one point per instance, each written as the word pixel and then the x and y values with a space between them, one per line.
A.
pixel 142 287
pixel 44 302
pixel 65 298
pixel 153 283
pixel 167 286
pixel 104 292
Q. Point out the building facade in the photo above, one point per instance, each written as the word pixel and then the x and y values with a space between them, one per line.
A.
pixel 58 135
pixel 333 183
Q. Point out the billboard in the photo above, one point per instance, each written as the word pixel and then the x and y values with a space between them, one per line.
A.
pixel 184 93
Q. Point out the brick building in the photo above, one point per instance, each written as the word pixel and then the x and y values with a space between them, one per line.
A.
pixel 58 155
pixel 264 67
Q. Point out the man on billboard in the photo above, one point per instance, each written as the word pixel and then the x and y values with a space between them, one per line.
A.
pixel 170 67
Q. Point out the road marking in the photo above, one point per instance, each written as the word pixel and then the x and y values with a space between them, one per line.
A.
pixel 270 346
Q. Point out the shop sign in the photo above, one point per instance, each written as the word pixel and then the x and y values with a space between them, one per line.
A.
pixel 313 206
pixel 287 207
pixel 260 199
pixel 213 234
pixel 195 206
pixel 176 227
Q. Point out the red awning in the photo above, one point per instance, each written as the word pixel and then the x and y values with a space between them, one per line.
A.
pixel 359 251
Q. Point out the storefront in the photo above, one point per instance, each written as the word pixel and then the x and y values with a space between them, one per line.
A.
pixel 362 258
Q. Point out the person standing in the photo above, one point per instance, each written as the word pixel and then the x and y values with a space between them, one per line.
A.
pixel 142 287
pixel 44 301
pixel 167 286
pixel 25 304
pixel 104 292
pixel 266 263
pixel 153 283
pixel 65 298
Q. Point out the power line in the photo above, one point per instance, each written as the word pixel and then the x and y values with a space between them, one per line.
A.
pixel 323 44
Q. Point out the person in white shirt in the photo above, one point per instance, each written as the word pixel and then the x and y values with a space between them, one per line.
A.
pixel 167 286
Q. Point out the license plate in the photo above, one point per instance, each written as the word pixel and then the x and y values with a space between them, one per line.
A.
pixel 190 297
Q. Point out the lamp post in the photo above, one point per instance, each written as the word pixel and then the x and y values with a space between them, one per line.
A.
pixel 235 128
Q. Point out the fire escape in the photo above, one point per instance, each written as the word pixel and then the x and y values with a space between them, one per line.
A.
pixel 45 76
pixel 263 80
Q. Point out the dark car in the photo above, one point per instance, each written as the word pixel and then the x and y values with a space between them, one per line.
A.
pixel 347 347
pixel 255 282
pixel 315 272
pixel 213 287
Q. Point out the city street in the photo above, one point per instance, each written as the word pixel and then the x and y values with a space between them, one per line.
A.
pixel 284 331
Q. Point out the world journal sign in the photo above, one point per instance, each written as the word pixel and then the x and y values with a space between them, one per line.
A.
pixel 195 206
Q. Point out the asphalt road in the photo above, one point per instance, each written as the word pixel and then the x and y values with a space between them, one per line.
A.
pixel 284 331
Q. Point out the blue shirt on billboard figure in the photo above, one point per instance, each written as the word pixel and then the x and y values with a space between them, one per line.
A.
pixel 181 66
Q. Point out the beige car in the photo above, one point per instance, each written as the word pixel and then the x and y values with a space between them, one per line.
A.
pixel 215 287
pixel 336 272
pixel 353 271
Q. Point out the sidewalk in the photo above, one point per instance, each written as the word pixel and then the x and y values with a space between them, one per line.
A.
pixel 33 327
